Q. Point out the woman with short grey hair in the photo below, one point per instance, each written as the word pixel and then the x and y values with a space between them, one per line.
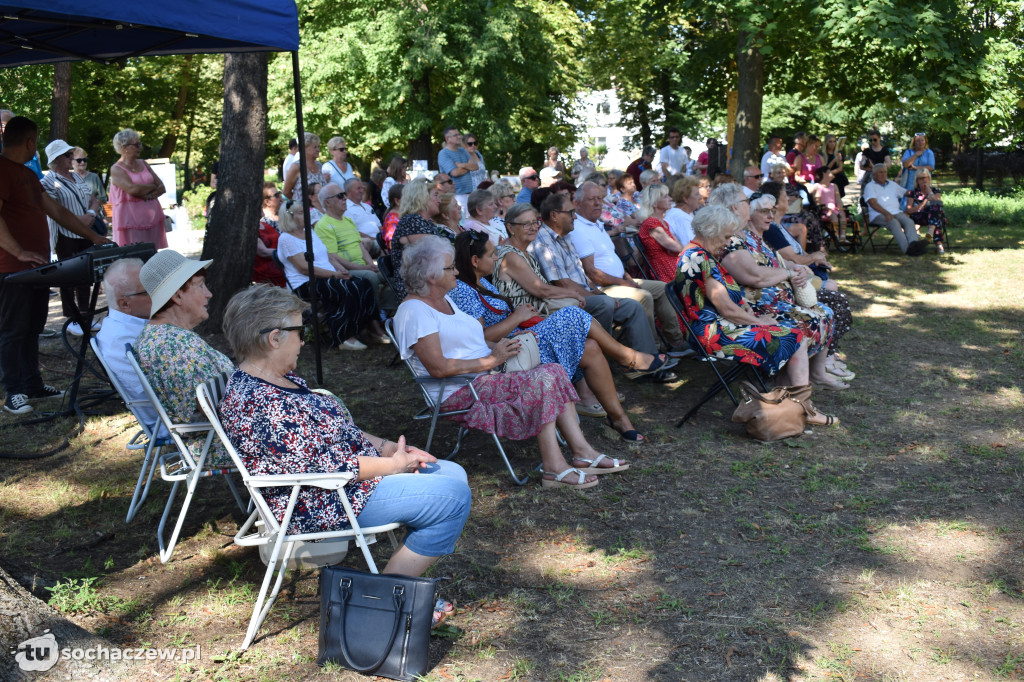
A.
pixel 731 196
pixel 254 314
pixel 441 341
pixel 314 171
pixel 134 189
pixel 483 207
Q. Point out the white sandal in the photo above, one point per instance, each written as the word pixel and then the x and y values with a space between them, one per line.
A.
pixel 593 468
pixel 557 482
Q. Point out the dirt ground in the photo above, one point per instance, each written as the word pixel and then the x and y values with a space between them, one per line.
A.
pixel 887 548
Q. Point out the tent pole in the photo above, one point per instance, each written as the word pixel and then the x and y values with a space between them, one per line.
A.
pixel 301 138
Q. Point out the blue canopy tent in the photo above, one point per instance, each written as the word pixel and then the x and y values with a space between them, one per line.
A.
pixel 47 31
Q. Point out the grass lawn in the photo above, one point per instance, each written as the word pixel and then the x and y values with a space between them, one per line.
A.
pixel 887 548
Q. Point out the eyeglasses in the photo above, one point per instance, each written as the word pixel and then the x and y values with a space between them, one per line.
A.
pixel 536 222
pixel 340 149
pixel 471 143
pixel 449 181
pixel 137 293
pixel 85 160
pixel 450 268
pixel 297 328
pixel 571 211
pixel 134 144
pixel 764 211
pixel 339 195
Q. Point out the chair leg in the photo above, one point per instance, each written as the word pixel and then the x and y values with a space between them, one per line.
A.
pixel 458 442
pixel 723 383
pixel 264 602
pixel 149 462
pixel 193 481
pixel 508 464
pixel 433 426
pixel 234 492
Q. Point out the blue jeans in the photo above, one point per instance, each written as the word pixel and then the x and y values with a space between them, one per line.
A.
pixel 433 505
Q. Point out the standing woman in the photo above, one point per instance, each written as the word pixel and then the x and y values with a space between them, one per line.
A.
pixel 661 248
pixel 834 162
pixel 338 169
pixel 81 168
pixel 472 145
pixel 292 186
pixel 134 188
pixel 553 162
pixel 396 176
pixel 918 157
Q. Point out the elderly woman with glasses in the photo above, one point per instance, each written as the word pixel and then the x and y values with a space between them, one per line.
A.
pixel 81 167
pixel 338 170
pixel 483 207
pixel 421 204
pixel 349 303
pixel 279 426
pixel 314 171
pixel 768 285
pixel 723 320
pixel 442 341
pixel 134 189
pixel 661 248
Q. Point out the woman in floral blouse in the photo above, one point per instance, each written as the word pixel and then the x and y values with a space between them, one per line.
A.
pixel 279 426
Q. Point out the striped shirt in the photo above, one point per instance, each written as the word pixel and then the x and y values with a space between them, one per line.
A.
pixel 74 195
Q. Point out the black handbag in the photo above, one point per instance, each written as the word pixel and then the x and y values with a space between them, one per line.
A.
pixel 374 623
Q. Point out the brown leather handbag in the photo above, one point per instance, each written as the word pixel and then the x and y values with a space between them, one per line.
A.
pixel 779 413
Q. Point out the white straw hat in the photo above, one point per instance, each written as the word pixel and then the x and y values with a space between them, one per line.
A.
pixel 55 149
pixel 165 273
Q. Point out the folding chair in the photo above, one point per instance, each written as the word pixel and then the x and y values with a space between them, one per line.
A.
pixel 432 410
pixel 869 229
pixel 143 439
pixel 737 369
pixel 639 256
pixel 386 269
pixel 262 527
pixel 180 466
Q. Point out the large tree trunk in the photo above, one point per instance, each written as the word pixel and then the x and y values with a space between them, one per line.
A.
pixel 750 98
pixel 177 118
pixel 61 102
pixel 644 116
pixel 24 618
pixel 232 229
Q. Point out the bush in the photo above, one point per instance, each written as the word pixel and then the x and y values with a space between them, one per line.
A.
pixel 967 206
pixel 195 204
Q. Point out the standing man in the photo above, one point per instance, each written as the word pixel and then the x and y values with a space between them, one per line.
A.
pixel 751 180
pixel 454 160
pixel 645 162
pixel 772 156
pixel 581 165
pixel 293 156
pixel 673 158
pixel 472 145
pixel 603 266
pixel 530 181
pixel 873 154
pixel 74 194
pixel 883 197
pixel 24 244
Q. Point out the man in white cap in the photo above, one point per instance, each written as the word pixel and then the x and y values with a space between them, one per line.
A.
pixel 549 176
pixel 24 244
pixel 73 193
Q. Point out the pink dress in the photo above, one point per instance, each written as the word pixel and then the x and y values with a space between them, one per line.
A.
pixel 827 200
pixel 806 171
pixel 135 219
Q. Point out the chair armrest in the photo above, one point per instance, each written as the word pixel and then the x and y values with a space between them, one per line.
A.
pixel 192 427
pixel 455 379
pixel 331 481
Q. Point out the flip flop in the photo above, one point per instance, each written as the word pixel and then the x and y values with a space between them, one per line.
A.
pixel 558 482
pixel 816 418
pixel 632 435
pixel 593 465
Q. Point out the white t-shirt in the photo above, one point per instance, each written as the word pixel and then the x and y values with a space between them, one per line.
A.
pixel 362 215
pixel 746 190
pixel 591 239
pixel 461 337
pixel 288 161
pixel 680 224
pixel 289 245
pixel 888 197
pixel 769 159
pixel 334 174
pixel 676 159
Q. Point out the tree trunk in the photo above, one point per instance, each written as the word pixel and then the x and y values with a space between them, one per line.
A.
pixel 979 171
pixel 231 232
pixel 644 116
pixel 750 98
pixel 171 139
pixel 420 147
pixel 24 618
pixel 61 102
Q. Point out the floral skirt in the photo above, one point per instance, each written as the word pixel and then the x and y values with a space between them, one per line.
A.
pixel 816 323
pixel 514 405
pixel 840 305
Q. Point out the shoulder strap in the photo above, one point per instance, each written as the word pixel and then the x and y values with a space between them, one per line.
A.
pixel 73 191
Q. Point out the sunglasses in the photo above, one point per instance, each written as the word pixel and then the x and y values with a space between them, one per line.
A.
pixel 449 181
pixel 340 149
pixel 137 293
pixel 297 328
pixel 755 195
pixel 471 144
pixel 85 160
pixel 759 175
pixel 532 177
pixel 339 195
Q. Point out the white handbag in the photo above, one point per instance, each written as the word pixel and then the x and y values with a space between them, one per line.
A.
pixel 528 356
pixel 805 296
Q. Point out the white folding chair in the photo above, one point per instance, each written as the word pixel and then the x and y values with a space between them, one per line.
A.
pixel 180 467
pixel 143 439
pixel 263 529
pixel 433 405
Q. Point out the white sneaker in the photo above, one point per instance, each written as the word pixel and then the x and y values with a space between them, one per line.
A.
pixel 353 344
pixel 75 329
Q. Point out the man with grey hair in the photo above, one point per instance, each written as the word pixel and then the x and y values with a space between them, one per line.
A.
pixel 530 181
pixel 883 199
pixel 128 306
pixel 361 213
pixel 346 249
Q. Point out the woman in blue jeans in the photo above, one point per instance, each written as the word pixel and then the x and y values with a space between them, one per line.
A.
pixel 279 426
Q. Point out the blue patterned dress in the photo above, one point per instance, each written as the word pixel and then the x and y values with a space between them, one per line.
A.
pixel 290 431
pixel 757 345
pixel 817 323
pixel 560 337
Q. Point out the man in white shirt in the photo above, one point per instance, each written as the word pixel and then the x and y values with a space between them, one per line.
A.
pixel 773 156
pixel 128 313
pixel 362 214
pixel 603 266
pixel 883 199
pixel 751 180
pixel 672 158
pixel 293 156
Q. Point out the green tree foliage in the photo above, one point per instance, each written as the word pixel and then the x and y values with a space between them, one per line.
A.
pixel 389 77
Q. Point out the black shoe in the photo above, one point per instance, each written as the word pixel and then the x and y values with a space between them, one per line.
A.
pixel 17 403
pixel 664 377
pixel 46 391
pixel 916 248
